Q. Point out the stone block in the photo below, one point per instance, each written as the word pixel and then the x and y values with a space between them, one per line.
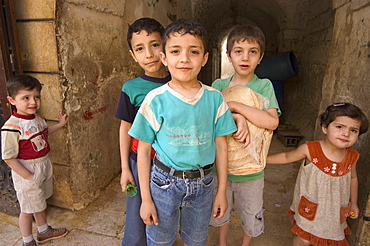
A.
pixel 63 195
pixel 339 3
pixel 38 46
pixel 34 9
pixel 59 153
pixel 155 9
pixel 290 34
pixel 51 95
pixel 358 4
pixel 113 6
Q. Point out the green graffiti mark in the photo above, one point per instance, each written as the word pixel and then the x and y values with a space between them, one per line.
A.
pixel 153 3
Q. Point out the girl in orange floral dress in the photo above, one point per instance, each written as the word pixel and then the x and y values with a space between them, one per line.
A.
pixel 326 189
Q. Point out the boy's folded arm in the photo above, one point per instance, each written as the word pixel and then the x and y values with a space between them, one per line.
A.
pixel 17 167
pixel 261 118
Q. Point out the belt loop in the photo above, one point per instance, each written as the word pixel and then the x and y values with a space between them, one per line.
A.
pixel 172 171
pixel 201 172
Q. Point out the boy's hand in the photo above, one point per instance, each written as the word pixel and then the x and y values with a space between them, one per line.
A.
pixel 126 178
pixel 17 167
pixel 62 118
pixel 148 213
pixel 242 134
pixel 219 206
pixel 354 212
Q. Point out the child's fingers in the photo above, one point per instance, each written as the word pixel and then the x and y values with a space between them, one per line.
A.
pixel 221 214
pixel 247 142
pixel 147 219
pixel 154 218
pixel 240 136
pixel 353 215
pixel 216 212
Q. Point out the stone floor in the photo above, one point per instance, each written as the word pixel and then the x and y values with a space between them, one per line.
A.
pixel 102 222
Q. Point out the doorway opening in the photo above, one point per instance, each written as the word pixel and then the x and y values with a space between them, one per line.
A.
pixel 227 69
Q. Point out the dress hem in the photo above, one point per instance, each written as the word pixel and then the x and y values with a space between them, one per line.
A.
pixel 317 241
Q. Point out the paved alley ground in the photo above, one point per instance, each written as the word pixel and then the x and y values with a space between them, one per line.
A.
pixel 102 222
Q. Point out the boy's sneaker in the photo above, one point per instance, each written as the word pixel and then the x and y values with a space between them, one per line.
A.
pixel 52 233
pixel 32 243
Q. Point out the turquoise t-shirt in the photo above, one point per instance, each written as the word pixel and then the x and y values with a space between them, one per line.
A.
pixel 263 87
pixel 183 130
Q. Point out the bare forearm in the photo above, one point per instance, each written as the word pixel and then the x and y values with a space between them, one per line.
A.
pixel 221 163
pixel 279 158
pixel 354 190
pixel 288 157
pixel 55 127
pixel 262 118
pixel 143 162
pixel 124 144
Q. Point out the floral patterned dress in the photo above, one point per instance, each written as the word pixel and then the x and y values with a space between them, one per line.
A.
pixel 321 198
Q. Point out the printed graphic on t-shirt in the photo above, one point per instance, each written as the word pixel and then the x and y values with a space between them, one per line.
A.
pixel 39 143
pixel 180 137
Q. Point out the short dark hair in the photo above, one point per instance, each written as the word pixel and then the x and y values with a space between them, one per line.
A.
pixel 184 26
pixel 344 109
pixel 147 24
pixel 250 33
pixel 22 82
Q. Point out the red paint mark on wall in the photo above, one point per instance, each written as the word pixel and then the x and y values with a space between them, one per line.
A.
pixel 88 115
pixel 95 81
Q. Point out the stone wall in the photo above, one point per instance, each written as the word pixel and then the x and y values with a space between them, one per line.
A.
pixel 310 42
pixel 36 22
pixel 78 50
pixel 346 79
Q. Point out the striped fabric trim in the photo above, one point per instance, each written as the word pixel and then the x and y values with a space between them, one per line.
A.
pixel 13 126
pixel 11 130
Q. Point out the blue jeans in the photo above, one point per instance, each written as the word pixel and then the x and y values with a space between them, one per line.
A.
pixel 134 234
pixel 177 200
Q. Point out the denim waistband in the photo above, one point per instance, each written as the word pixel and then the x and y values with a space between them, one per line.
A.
pixel 188 174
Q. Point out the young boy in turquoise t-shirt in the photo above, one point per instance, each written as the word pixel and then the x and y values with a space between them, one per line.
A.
pixel 245 49
pixel 186 122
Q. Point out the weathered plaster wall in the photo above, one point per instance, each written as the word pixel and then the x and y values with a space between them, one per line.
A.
pixel 310 43
pixel 78 50
pixel 346 79
pixel 38 44
pixel 91 48
pixel 95 62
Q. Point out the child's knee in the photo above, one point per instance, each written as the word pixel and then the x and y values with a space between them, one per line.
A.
pixel 298 241
pixel 26 214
